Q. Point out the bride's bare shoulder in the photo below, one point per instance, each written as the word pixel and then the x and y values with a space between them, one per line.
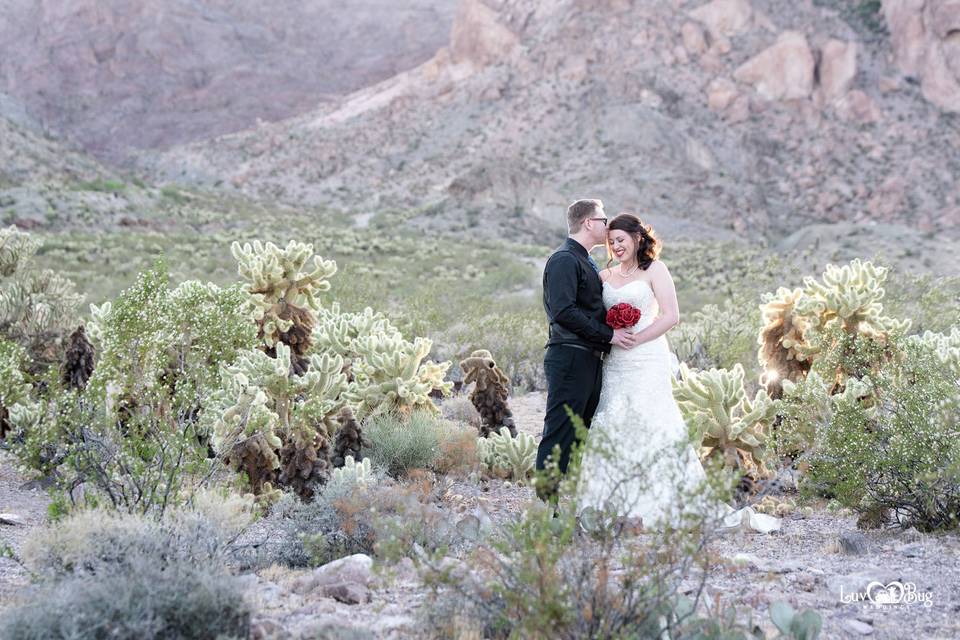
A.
pixel 605 273
pixel 657 266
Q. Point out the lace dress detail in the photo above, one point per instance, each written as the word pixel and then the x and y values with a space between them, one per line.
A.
pixel 638 460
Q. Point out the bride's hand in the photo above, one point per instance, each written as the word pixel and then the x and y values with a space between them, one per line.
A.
pixel 624 338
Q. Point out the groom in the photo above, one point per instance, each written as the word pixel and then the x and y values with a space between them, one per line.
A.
pixel 579 337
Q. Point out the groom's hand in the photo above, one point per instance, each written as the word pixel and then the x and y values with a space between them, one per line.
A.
pixel 624 339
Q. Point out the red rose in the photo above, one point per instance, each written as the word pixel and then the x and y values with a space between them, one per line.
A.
pixel 623 315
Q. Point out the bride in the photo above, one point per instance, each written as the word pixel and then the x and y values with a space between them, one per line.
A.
pixel 638 462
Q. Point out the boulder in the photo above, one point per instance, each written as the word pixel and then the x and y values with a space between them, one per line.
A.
pixel 859 107
pixel 724 18
pixel 926 42
pixel 355 569
pixel 721 93
pixel 694 39
pixel 838 67
pixel 478 37
pixel 783 71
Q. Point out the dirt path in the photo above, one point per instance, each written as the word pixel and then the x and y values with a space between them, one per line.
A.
pixel 29 506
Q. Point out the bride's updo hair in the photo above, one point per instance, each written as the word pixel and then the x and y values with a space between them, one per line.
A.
pixel 648 245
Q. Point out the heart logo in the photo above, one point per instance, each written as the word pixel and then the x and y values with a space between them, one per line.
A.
pixel 880 593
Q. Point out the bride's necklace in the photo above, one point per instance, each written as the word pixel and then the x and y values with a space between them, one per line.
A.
pixel 629 273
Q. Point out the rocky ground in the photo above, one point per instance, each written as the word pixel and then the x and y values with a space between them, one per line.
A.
pixel 808 563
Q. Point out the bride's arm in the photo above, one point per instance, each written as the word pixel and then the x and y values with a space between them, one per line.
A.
pixel 666 295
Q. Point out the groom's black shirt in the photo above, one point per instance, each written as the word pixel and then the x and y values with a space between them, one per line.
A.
pixel 573 299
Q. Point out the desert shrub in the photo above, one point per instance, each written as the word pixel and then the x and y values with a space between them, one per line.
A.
pixel 109 575
pixel 160 349
pixel 889 444
pixel 139 464
pixel 382 518
pixel 100 541
pixel 931 302
pixel 400 443
pixel 719 337
pixel 304 534
pixel 460 409
pixel 180 600
pixel 458 451
pixel 514 337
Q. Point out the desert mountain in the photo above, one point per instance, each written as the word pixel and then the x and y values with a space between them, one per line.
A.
pixel 759 117
pixel 117 75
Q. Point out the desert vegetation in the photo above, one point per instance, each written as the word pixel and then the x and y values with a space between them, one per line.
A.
pixel 202 440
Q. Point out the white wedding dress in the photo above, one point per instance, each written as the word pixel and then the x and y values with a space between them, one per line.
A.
pixel 638 461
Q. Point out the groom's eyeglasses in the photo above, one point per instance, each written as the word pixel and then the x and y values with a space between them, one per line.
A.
pixel 604 220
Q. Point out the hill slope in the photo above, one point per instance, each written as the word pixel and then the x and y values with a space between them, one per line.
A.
pixel 729 117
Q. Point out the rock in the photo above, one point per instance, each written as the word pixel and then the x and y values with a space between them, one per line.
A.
pixel 783 71
pixel 859 107
pixel 739 111
pixel 478 37
pixel 853 543
pixel 355 569
pixel 912 550
pixel 141 73
pixel 838 67
pixel 266 629
pixel 11 519
pixel 694 39
pixel 721 93
pixel 724 17
pixel 856 626
pixel 347 592
pixel 746 559
pixel 926 45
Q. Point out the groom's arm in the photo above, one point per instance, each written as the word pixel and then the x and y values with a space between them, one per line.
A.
pixel 561 291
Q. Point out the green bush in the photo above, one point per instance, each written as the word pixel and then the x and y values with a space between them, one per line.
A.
pixel 399 444
pixel 890 447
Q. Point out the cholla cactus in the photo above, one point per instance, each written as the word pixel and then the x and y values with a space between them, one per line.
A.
pixel 16 405
pixel 77 366
pixel 779 339
pixel 490 394
pixel 274 409
pixel 849 296
pixel 337 332
pixel 776 506
pixel 392 374
pixel 282 293
pixel 508 456
pixel 796 322
pixel 353 473
pixel 36 307
pixel 350 439
pixel 945 346
pixel 726 422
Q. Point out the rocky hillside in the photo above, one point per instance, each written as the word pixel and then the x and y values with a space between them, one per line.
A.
pixel 729 117
pixel 117 75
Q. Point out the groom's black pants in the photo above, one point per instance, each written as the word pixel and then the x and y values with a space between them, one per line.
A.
pixel 573 378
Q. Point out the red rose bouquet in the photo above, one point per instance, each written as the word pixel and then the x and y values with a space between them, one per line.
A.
pixel 622 315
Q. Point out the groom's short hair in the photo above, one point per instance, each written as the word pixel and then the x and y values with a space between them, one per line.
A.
pixel 580 211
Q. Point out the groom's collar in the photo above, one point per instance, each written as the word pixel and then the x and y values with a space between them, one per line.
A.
pixel 576 246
